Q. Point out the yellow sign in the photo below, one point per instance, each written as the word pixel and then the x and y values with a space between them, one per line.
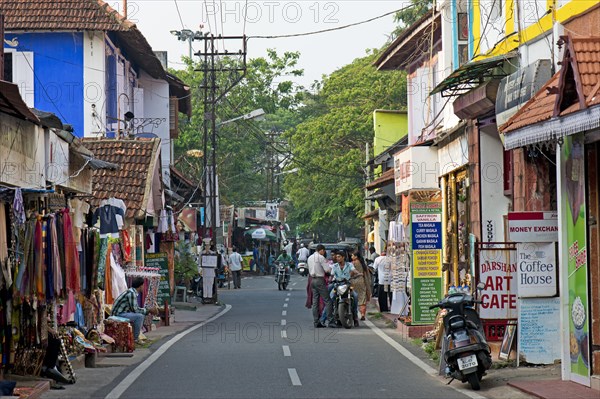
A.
pixel 427 263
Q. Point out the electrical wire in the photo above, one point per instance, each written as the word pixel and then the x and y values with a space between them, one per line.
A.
pixel 332 29
pixel 179 14
pixel 245 18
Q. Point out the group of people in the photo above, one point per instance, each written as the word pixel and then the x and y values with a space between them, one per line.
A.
pixel 324 274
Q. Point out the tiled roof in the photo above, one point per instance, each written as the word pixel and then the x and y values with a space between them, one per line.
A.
pixel 383 180
pixel 81 15
pixel 131 182
pixel 62 15
pixel 541 106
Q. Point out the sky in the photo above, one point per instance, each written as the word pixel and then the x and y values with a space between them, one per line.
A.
pixel 320 54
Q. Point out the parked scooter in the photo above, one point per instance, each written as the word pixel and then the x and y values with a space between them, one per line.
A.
pixel 467 353
pixel 282 275
pixel 343 302
pixel 302 269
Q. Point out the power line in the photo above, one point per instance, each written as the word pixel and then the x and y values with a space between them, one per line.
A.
pixel 332 29
pixel 179 14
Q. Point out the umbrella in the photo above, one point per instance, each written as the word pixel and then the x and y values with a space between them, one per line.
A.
pixel 262 234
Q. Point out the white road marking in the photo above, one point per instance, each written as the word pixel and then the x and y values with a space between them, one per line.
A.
pixel 287 299
pixel 134 375
pixel 283 334
pixel 283 322
pixel 286 351
pixel 293 283
pixel 289 294
pixel 415 360
pixel 285 305
pixel 284 313
pixel 294 377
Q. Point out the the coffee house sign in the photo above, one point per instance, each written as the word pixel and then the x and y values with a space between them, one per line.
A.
pixel 536 270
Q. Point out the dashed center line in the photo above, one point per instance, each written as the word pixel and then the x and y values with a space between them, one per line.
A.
pixel 283 334
pixel 294 377
pixel 286 351
pixel 287 299
pixel 285 305
pixel 283 322
pixel 284 313
pixel 289 294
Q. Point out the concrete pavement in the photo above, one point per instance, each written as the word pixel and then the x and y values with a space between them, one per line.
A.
pixel 94 382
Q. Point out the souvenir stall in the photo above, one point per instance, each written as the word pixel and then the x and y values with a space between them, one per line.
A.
pixel 398 251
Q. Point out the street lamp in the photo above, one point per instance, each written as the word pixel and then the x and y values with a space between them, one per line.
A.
pixel 189 35
pixel 211 186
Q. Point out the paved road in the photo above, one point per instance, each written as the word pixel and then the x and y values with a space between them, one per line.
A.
pixel 265 347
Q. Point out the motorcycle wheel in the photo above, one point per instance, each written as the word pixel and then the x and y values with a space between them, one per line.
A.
pixel 279 286
pixel 344 315
pixel 473 379
pixel 284 286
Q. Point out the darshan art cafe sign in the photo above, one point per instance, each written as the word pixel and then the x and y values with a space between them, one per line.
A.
pixel 533 226
pixel 498 271
pixel 426 239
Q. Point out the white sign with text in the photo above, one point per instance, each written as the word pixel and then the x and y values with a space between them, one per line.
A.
pixel 537 270
pixel 533 226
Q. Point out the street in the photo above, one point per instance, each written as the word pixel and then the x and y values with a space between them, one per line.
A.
pixel 265 347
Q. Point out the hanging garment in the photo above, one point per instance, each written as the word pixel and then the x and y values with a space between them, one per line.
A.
pixel 108 276
pixel 103 248
pixel 21 280
pixel 107 215
pixel 119 204
pixel 71 255
pixel 3 234
pixel 18 207
pixel 126 240
pixel 56 265
pixel 48 259
pixel 39 259
pixel 118 283
pixel 163 222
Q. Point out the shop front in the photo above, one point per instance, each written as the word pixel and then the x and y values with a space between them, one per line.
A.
pixel 565 115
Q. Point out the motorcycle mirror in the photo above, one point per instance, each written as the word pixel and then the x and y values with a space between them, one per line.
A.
pixel 480 286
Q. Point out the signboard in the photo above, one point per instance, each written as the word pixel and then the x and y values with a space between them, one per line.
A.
pixel 537 270
pixel 272 211
pixel 574 219
pixel 416 168
pixel 516 89
pixel 426 238
pixel 209 261
pixel 57 160
pixel 539 330
pixel 22 158
pixel 498 271
pixel 161 261
pixel 533 226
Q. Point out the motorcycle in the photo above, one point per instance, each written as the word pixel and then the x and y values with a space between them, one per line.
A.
pixel 282 275
pixel 343 302
pixel 467 353
pixel 302 269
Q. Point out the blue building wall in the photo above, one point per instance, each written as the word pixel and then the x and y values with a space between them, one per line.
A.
pixel 58 80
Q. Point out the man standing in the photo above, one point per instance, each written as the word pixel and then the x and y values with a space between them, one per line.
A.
pixel 126 306
pixel 382 265
pixel 317 268
pixel 235 265
pixel 302 254
pixel 372 255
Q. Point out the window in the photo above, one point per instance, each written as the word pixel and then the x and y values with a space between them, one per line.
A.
pixel 8 67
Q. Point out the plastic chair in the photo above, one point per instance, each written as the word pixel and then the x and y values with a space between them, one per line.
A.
pixel 180 289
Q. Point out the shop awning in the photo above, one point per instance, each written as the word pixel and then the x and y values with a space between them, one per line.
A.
pixel 371 215
pixel 261 234
pixel 472 74
pixel 386 177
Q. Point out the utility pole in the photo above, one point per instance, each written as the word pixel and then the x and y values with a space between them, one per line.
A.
pixel 2 47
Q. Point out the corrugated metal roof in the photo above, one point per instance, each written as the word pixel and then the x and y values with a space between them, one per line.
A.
pixel 11 103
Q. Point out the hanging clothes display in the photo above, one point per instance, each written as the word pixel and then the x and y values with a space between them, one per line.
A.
pixel 107 215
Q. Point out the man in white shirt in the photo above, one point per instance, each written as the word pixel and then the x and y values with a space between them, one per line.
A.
pixel 235 265
pixel 303 254
pixel 384 296
pixel 317 269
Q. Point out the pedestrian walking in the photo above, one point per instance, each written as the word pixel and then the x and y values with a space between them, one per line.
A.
pixel 361 284
pixel 235 265
pixel 317 269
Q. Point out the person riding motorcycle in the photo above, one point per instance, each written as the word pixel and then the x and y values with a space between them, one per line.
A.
pixel 285 259
pixel 341 271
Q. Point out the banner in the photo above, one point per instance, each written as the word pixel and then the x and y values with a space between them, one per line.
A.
pixel 574 221
pixel 426 239
pixel 272 211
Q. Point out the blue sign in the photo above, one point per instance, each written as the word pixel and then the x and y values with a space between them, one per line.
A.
pixel 427 235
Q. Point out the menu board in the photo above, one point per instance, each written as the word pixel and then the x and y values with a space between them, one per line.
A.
pixel 161 261
pixel 539 330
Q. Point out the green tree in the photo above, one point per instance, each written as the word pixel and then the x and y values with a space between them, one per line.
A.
pixel 410 15
pixel 241 145
pixel 328 146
